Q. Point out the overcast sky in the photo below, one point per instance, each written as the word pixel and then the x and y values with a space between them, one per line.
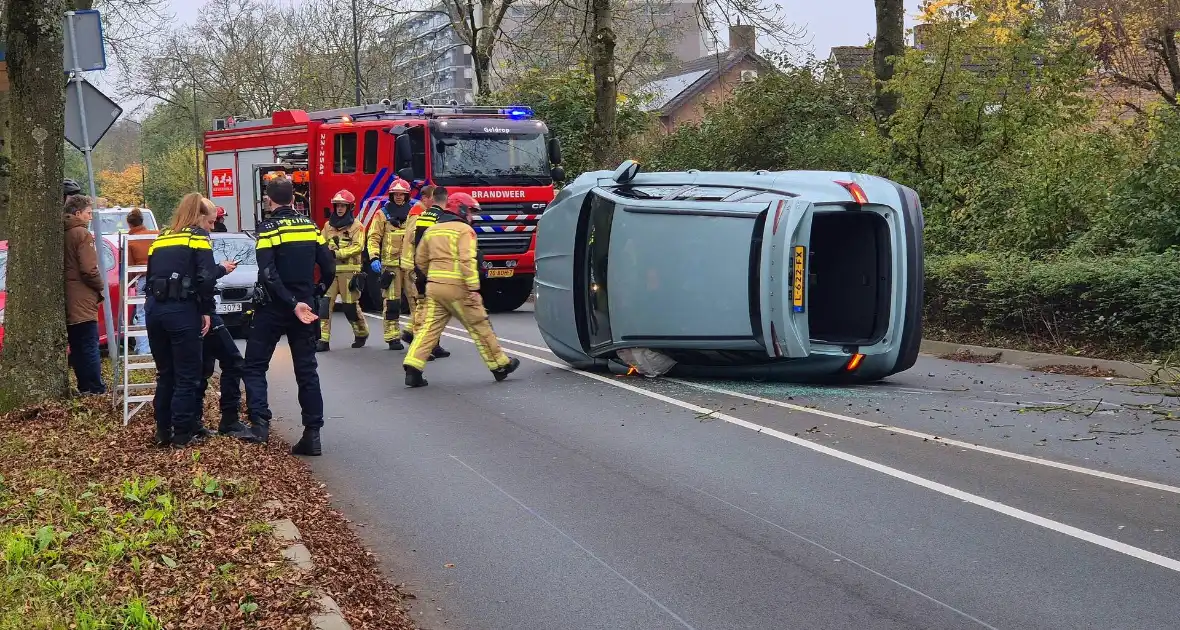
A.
pixel 828 22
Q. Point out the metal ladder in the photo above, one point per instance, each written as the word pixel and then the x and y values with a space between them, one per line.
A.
pixel 132 402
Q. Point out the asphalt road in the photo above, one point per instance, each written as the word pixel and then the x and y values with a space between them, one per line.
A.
pixel 954 496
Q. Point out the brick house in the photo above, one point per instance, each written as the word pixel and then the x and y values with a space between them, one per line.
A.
pixel 681 94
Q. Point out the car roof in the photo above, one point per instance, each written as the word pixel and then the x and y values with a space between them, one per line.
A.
pixel 230 235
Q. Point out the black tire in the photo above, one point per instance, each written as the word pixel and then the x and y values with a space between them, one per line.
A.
pixel 506 295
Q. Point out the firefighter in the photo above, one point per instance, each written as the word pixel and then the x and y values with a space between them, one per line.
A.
pixel 346 238
pixel 386 232
pixel 430 196
pixel 219 223
pixel 446 258
pixel 181 280
pixel 289 249
pixel 425 200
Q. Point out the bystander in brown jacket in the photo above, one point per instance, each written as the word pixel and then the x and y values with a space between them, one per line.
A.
pixel 137 251
pixel 83 280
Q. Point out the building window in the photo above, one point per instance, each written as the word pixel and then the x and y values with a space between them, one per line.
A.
pixel 370 166
pixel 344 153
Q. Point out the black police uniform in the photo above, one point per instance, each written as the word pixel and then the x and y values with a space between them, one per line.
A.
pixel 289 249
pixel 220 347
pixel 181 276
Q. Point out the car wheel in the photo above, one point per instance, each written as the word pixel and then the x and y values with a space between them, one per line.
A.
pixel 506 295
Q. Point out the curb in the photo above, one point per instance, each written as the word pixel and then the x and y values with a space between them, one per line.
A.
pixel 1021 358
pixel 284 530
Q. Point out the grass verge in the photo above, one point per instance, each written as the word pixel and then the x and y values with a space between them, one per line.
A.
pixel 98 530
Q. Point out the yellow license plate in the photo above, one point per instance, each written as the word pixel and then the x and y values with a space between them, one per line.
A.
pixel 501 273
pixel 798 278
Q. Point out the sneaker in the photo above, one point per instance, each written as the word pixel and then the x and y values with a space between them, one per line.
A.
pixel 502 373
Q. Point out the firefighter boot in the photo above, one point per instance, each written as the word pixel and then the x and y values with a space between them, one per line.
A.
pixel 309 444
pixel 502 373
pixel 322 346
pixel 439 353
pixel 407 336
pixel 396 344
pixel 414 378
pixel 359 342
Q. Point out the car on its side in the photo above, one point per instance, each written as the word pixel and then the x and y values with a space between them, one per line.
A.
pixel 235 291
pixel 804 276
pixel 108 260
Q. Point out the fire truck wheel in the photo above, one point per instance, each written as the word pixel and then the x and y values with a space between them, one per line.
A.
pixel 506 295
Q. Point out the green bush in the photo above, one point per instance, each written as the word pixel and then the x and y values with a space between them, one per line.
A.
pixel 1123 305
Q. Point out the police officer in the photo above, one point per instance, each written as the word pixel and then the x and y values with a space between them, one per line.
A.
pixel 346 239
pixel 446 257
pixel 181 276
pixel 219 347
pixel 289 249
pixel 433 197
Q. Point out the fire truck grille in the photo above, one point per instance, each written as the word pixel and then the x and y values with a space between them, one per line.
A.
pixel 506 228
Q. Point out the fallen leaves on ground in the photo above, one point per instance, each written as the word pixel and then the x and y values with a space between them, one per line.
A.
pixel 964 355
pixel 177 536
pixel 1076 370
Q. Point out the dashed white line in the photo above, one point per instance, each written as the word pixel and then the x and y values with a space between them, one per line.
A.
pixel 967 497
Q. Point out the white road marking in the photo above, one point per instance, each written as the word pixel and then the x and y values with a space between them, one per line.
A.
pixel 967 497
pixel 846 558
pixel 942 440
pixel 1040 461
pixel 578 545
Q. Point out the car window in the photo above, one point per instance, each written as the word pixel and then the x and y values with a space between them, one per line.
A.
pixel 646 192
pixel 107 256
pixel 234 249
pixel 602 214
pixel 115 222
pixel 706 193
pixel 4 270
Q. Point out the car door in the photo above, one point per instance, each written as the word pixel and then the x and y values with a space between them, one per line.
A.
pixel 678 273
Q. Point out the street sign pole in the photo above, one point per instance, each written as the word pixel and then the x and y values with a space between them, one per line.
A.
pixel 99 244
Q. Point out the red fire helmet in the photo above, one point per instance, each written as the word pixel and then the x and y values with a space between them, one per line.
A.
pixel 220 212
pixel 344 197
pixel 461 204
pixel 399 185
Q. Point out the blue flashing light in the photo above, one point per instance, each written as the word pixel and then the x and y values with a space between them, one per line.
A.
pixel 518 112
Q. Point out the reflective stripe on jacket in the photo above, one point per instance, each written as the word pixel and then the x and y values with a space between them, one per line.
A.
pixel 447 253
pixel 347 244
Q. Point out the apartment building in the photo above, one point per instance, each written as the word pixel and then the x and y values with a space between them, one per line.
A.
pixel 433 63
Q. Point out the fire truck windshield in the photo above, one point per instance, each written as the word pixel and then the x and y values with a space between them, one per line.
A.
pixel 490 159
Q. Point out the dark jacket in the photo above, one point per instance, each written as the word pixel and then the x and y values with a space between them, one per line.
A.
pixel 289 249
pixel 83 279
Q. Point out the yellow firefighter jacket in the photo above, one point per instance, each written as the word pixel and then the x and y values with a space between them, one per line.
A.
pixel 447 254
pixel 347 244
pixel 385 240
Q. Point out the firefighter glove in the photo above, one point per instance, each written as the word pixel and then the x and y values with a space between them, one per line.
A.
pixel 375 266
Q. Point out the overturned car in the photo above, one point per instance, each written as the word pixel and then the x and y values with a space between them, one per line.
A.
pixel 804 276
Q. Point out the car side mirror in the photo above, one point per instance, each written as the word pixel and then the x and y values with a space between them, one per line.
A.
pixel 404 151
pixel 554 151
pixel 557 173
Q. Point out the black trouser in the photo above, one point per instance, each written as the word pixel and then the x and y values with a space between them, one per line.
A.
pixel 174 332
pixel 269 325
pixel 219 347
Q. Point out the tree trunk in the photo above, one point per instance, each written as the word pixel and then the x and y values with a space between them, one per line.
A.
pixel 33 360
pixel 890 43
pixel 483 71
pixel 602 61
pixel 4 165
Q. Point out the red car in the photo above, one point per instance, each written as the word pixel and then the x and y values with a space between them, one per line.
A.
pixel 109 259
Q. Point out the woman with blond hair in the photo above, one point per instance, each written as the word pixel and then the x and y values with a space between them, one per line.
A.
pixel 181 276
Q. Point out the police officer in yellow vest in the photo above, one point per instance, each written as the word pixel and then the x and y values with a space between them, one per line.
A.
pixel 346 239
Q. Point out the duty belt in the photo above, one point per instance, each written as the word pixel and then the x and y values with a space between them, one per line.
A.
pixel 174 288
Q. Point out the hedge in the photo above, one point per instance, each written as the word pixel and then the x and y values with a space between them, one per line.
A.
pixel 1127 306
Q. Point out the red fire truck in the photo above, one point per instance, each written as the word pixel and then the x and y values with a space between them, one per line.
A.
pixel 502 156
